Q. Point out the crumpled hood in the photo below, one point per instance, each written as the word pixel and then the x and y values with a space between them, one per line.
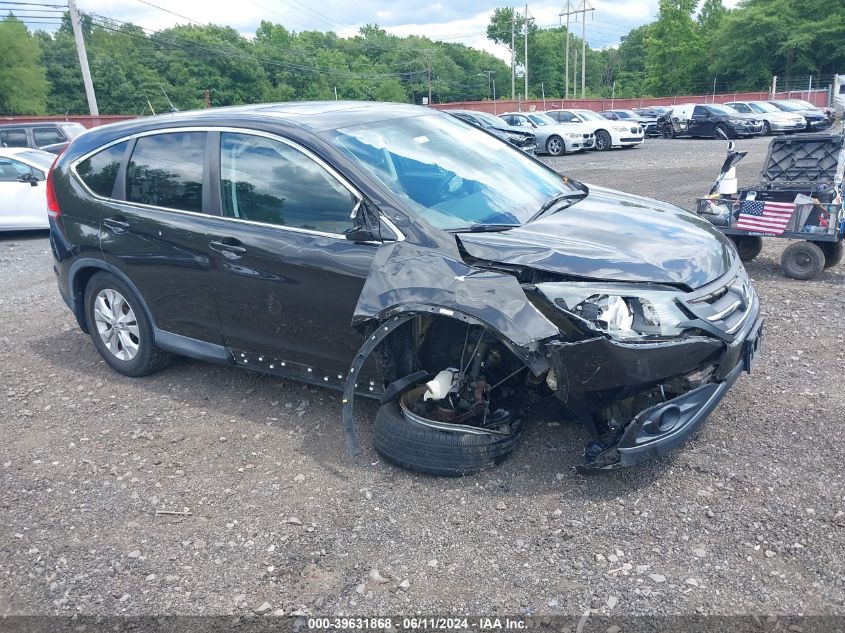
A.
pixel 615 236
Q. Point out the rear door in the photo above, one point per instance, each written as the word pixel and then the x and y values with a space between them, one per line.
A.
pixel 155 231
pixel 22 204
pixel 286 278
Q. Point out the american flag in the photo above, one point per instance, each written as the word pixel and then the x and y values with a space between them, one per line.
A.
pixel 764 217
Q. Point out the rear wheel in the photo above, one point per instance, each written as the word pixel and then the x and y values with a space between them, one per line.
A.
pixel 555 146
pixel 119 327
pixel 603 141
pixel 833 252
pixel 803 260
pixel 748 246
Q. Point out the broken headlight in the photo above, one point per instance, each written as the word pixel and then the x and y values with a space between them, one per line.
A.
pixel 622 311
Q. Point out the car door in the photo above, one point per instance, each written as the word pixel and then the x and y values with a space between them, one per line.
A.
pixel 23 201
pixel 13 137
pixel 154 231
pixel 286 278
pixel 49 135
pixel 701 122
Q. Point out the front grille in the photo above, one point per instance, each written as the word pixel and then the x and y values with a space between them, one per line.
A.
pixel 587 135
pixel 725 306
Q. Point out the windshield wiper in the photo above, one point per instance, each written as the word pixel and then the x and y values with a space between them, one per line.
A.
pixel 551 202
pixel 486 228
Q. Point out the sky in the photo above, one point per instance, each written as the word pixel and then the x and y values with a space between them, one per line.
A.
pixel 462 21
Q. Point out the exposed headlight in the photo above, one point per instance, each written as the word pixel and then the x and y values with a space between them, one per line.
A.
pixel 519 138
pixel 573 135
pixel 620 128
pixel 622 311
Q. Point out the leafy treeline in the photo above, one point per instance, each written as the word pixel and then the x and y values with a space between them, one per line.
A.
pixel 689 46
pixel 132 70
pixel 683 51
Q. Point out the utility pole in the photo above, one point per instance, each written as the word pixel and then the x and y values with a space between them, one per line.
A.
pixel 83 58
pixel 575 76
pixel 525 68
pixel 774 86
pixel 570 9
pixel 713 100
pixel 428 58
pixel 489 74
pixel 494 96
pixel 513 54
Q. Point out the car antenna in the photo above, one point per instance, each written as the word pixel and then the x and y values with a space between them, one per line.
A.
pixel 169 102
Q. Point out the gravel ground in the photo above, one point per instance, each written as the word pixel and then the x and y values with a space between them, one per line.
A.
pixel 745 518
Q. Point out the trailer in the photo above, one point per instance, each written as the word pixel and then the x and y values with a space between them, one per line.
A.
pixel 799 197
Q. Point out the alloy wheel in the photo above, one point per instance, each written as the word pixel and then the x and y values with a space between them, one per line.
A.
pixel 116 324
pixel 555 146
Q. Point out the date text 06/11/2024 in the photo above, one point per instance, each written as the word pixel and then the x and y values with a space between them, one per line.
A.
pixel 417 623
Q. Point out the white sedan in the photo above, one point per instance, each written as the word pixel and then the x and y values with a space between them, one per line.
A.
pixel 23 190
pixel 608 133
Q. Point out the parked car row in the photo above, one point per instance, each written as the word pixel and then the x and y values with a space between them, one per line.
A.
pixel 557 132
pixel 743 118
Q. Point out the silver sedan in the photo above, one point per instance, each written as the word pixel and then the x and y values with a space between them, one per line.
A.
pixel 552 137
pixel 774 119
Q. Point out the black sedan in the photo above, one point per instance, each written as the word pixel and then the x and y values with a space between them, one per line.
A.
pixel 498 127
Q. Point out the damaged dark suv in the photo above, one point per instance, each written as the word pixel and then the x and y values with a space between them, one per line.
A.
pixel 395 252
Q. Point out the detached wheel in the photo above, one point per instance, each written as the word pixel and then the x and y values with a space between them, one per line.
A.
pixel 444 453
pixel 833 252
pixel 603 141
pixel 555 146
pixel 120 328
pixel 748 246
pixel 803 260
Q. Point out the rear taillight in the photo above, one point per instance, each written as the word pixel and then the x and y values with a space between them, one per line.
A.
pixel 53 209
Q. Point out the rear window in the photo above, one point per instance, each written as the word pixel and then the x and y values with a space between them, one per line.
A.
pixel 100 170
pixel 166 171
pixel 13 138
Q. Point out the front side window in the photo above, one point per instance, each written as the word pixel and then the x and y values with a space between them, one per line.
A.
pixel 13 138
pixel 166 170
pixel 47 136
pixel 699 111
pixel 11 170
pixel 451 175
pixel 100 170
pixel 265 180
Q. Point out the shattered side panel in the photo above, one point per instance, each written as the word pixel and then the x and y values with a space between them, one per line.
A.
pixel 404 274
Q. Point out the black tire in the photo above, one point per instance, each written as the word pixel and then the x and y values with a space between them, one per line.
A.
pixel 148 358
pixel 767 128
pixel 833 252
pixel 721 132
pixel 603 141
pixel 441 453
pixel 748 246
pixel 555 146
pixel 802 260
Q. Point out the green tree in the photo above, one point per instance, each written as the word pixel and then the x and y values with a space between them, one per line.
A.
pixel 673 49
pixel 23 81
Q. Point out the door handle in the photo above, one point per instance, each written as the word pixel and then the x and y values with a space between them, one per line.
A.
pixel 228 247
pixel 117 225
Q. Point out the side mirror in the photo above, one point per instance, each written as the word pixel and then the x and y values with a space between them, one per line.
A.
pixel 32 180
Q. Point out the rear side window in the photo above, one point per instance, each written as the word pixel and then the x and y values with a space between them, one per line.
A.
pixel 166 171
pixel 13 138
pixel 100 170
pixel 47 136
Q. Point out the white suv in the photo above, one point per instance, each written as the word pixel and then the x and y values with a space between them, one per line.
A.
pixel 608 133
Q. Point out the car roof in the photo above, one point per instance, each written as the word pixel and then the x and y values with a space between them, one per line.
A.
pixel 33 124
pixel 14 152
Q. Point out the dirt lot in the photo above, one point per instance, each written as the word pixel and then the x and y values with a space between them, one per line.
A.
pixel 747 517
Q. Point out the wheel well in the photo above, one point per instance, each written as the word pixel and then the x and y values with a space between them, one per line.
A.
pixel 79 283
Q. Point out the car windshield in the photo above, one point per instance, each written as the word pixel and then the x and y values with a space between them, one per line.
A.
pixel 42 159
pixel 73 129
pixel 806 104
pixel 723 110
pixel 542 119
pixel 789 106
pixel 490 119
pixel 762 106
pixel 451 175
pixel 624 114
pixel 589 115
